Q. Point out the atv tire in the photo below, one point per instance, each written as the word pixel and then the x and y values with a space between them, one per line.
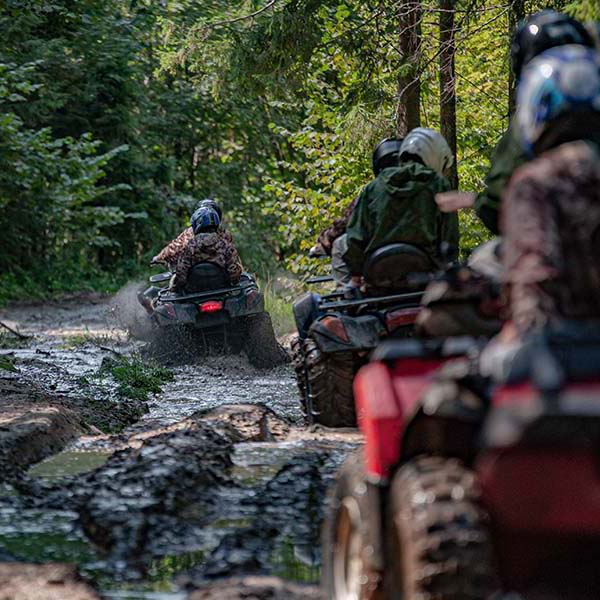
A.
pixel 296 347
pixel 345 549
pixel 437 542
pixel 261 345
pixel 330 399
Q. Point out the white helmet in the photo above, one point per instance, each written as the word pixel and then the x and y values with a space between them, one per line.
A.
pixel 430 146
pixel 561 81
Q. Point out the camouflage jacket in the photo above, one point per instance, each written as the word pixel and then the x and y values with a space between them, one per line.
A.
pixel 507 157
pixel 337 228
pixel 551 223
pixel 399 206
pixel 171 252
pixel 207 247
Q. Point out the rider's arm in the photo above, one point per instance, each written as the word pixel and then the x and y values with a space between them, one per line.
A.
pixel 170 253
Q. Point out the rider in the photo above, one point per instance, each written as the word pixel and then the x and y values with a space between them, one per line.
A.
pixel 206 246
pixel 399 207
pixel 551 209
pixel 385 155
pixel 551 215
pixel 171 252
pixel 540 32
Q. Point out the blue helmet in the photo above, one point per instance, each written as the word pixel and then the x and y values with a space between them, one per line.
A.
pixel 559 97
pixel 205 220
pixel 211 204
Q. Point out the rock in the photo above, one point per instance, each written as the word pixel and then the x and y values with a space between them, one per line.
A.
pixel 52 581
pixel 256 588
pixel 251 422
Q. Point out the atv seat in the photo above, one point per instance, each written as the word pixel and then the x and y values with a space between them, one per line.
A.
pixel 204 277
pixel 388 267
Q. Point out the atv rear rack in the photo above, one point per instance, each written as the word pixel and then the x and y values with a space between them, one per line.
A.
pixel 413 298
pixel 199 295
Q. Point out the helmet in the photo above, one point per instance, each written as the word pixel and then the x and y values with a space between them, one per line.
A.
pixel 560 84
pixel 210 203
pixel 386 154
pixel 544 30
pixel 430 146
pixel 205 220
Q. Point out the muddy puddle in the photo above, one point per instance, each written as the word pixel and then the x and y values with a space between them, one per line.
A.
pixel 253 506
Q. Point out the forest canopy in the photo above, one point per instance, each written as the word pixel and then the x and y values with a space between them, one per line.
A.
pixel 116 115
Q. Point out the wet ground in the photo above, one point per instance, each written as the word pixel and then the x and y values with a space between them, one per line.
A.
pixel 215 477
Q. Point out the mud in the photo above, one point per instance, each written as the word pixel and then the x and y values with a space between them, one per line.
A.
pixel 219 477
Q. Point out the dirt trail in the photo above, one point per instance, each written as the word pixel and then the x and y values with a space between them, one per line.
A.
pixel 213 478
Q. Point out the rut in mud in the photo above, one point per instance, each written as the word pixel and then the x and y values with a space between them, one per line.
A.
pixel 215 477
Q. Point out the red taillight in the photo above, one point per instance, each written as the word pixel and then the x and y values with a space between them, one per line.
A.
pixel 403 316
pixel 211 306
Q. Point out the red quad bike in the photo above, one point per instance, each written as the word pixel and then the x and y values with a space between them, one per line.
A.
pixel 337 334
pixel 470 490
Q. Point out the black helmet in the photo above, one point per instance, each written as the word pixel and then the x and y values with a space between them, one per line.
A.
pixel 544 30
pixel 386 154
pixel 210 203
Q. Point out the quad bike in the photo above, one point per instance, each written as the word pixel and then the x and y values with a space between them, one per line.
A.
pixel 336 334
pixel 470 489
pixel 213 314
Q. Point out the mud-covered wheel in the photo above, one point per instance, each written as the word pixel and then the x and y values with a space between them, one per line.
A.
pixel 261 345
pixel 296 347
pixel 329 378
pixel 346 574
pixel 437 541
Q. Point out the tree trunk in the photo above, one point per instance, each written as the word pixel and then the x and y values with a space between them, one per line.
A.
pixel 515 15
pixel 408 112
pixel 448 81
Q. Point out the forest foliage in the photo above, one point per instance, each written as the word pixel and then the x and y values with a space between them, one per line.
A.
pixel 116 114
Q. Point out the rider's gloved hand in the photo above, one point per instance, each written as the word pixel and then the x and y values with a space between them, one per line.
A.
pixel 154 261
pixel 352 289
pixel 317 251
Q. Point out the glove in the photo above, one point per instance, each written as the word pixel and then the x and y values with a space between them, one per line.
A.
pixel 317 251
pixel 154 261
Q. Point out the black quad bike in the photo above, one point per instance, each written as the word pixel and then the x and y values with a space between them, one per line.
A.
pixel 337 334
pixel 212 314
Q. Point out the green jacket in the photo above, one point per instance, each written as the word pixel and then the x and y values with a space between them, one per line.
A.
pixel 508 156
pixel 399 206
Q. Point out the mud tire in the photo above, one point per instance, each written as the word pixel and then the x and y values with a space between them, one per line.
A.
pixel 330 378
pixel 297 350
pixel 439 549
pixel 344 542
pixel 261 345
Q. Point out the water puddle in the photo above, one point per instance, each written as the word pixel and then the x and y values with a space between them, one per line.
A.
pixel 68 463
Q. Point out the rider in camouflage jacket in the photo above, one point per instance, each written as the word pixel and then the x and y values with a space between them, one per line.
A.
pixel 211 247
pixel 551 224
pixel 172 251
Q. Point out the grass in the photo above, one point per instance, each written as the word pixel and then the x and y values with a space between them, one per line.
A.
pixel 8 341
pixel 136 379
pixel 7 363
pixel 278 304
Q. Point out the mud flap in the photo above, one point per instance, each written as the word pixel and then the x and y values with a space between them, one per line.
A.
pixel 339 333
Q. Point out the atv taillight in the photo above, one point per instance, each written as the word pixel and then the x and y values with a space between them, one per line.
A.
pixel 211 306
pixel 401 317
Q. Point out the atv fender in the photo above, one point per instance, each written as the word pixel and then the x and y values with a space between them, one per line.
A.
pixel 339 333
pixel 172 313
pixel 306 310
